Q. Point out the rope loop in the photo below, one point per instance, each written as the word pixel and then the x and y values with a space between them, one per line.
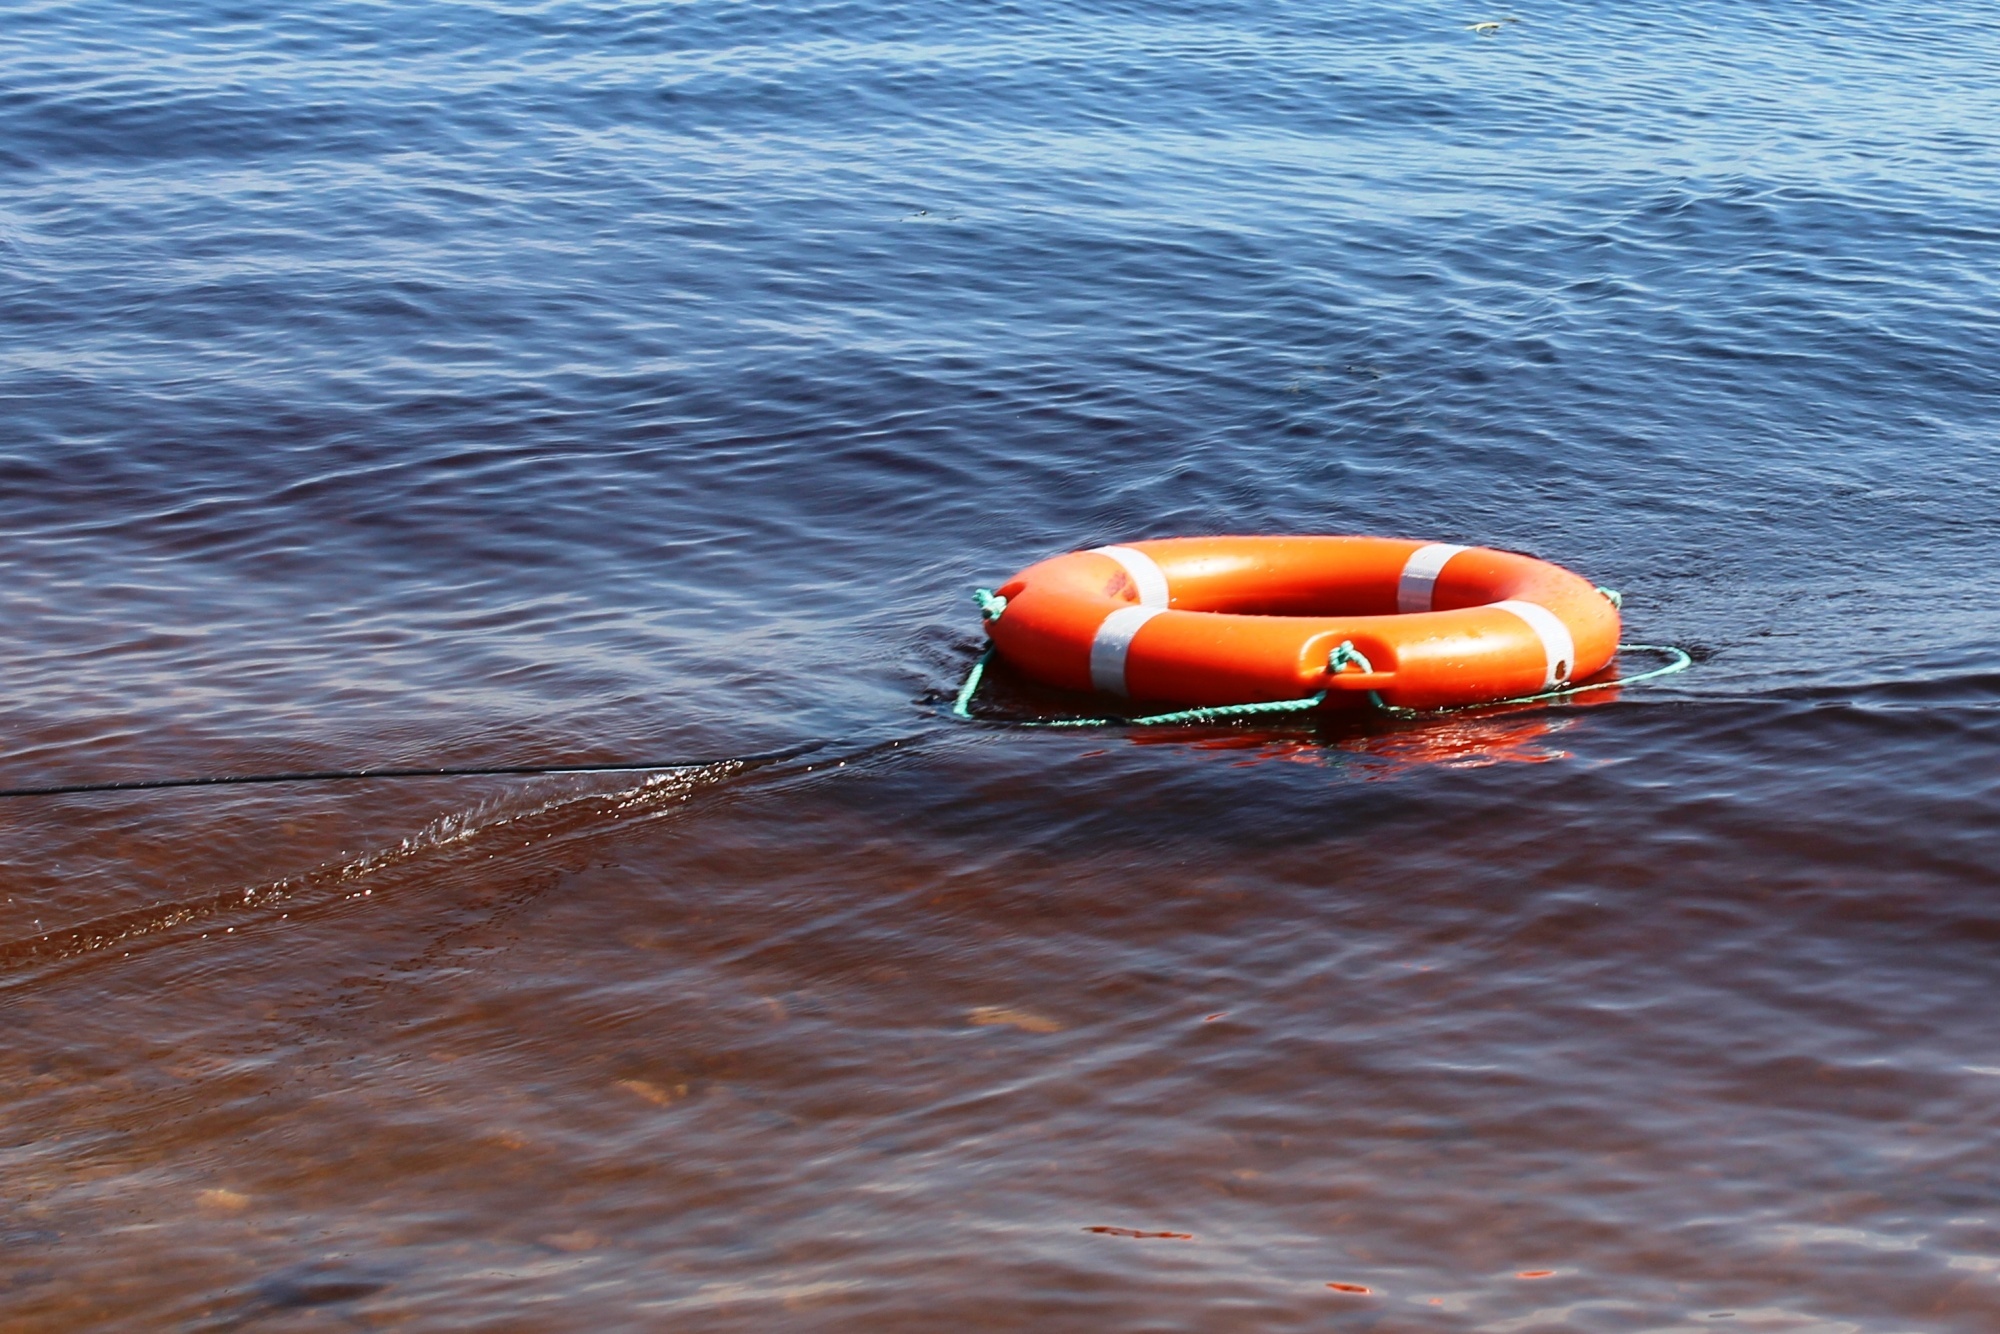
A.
pixel 991 604
pixel 1678 660
pixel 1613 596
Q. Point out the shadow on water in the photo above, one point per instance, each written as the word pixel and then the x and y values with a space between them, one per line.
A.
pixel 328 1286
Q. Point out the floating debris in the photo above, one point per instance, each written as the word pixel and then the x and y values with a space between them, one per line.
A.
pixel 990 1016
pixel 653 1093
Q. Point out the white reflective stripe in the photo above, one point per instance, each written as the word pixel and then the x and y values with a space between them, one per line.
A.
pixel 1558 649
pixel 1148 578
pixel 1113 642
pixel 1420 575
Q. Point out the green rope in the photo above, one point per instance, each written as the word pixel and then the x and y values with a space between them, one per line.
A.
pixel 991 604
pixel 1345 654
pixel 961 706
pixel 1213 714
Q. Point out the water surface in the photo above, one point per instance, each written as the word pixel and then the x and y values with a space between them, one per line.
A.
pixel 440 384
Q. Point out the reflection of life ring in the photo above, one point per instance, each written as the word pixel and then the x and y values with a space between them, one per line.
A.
pixel 1228 620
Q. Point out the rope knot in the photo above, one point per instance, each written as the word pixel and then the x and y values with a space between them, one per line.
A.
pixel 1345 654
pixel 991 604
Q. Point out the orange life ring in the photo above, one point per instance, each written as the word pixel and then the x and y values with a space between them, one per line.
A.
pixel 1237 620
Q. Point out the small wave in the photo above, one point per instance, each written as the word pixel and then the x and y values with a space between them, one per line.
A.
pixel 359 877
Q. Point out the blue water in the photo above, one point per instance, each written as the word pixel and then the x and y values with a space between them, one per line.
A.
pixel 453 384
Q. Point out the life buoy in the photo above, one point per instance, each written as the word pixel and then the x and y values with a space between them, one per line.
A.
pixel 1227 620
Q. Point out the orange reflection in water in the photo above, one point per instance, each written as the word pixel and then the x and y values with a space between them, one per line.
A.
pixel 1459 743
pixel 1454 741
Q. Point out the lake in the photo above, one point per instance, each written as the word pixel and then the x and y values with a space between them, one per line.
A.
pixel 451 385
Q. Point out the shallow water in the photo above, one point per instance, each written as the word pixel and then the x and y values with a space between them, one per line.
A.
pixel 437 384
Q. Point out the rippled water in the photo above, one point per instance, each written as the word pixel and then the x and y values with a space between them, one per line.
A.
pixel 444 384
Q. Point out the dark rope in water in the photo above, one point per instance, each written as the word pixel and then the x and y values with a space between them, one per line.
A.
pixel 351 775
